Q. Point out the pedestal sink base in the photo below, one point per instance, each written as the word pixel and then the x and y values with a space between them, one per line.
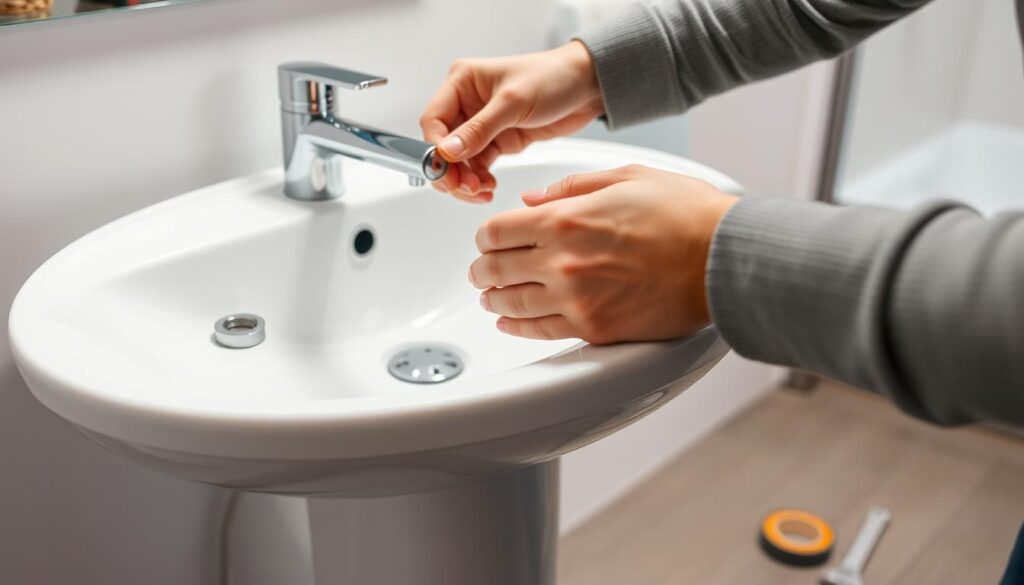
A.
pixel 499 531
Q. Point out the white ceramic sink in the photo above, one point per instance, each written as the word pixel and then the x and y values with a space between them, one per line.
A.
pixel 114 334
pixel 453 483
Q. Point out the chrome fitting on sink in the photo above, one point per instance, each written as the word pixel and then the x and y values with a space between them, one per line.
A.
pixel 425 364
pixel 316 140
pixel 240 331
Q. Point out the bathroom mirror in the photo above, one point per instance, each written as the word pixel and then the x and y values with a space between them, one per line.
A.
pixel 22 11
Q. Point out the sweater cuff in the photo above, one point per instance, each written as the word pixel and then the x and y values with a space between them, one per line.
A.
pixel 634 66
pixel 787 282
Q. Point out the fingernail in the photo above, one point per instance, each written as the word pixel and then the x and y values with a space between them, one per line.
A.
pixel 471 280
pixel 485 303
pixel 534 193
pixel 464 187
pixel 502 326
pixel 452 146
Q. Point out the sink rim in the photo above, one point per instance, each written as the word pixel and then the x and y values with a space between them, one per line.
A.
pixel 303 426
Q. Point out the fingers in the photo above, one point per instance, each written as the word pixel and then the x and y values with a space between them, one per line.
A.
pixel 549 327
pixel 483 174
pixel 511 141
pixel 520 301
pixel 471 180
pixel 508 142
pixel 470 138
pixel 505 268
pixel 441 112
pixel 486 158
pixel 517 228
pixel 580 184
pixel 467 184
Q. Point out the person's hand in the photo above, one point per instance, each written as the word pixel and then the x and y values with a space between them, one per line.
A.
pixel 611 256
pixel 489 107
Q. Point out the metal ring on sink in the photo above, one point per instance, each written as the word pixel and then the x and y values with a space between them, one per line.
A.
pixel 240 331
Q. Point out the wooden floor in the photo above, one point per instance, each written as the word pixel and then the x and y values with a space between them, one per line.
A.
pixel 957 499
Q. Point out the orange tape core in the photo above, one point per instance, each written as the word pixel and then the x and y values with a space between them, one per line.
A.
pixel 797 532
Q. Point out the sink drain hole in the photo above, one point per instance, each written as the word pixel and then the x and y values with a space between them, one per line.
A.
pixel 425 364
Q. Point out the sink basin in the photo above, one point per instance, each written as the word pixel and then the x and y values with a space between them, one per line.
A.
pixel 115 334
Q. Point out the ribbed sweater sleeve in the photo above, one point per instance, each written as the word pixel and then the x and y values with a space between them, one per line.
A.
pixel 925 307
pixel 662 57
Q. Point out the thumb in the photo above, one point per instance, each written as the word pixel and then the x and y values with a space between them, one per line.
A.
pixel 574 185
pixel 469 139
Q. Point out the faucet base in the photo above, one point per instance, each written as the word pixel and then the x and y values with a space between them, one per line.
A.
pixel 314 175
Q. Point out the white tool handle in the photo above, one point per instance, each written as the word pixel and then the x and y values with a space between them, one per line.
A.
pixel 867 538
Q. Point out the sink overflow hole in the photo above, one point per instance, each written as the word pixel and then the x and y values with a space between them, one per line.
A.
pixel 424 365
pixel 362 243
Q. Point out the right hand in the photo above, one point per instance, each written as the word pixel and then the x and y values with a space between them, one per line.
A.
pixel 489 107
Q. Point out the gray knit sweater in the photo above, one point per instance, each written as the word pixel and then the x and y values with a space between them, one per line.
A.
pixel 925 307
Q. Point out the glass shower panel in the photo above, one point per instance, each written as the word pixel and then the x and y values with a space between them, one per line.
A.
pixel 937 110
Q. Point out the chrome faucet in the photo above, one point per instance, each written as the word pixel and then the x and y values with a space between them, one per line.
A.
pixel 315 140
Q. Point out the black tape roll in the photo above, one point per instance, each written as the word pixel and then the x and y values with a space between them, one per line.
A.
pixel 812 546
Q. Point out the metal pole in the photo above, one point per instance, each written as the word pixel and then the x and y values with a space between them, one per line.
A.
pixel 838 116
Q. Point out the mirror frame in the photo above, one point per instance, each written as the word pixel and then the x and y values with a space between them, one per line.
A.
pixel 11 20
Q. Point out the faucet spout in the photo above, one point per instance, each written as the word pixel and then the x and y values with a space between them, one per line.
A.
pixel 316 141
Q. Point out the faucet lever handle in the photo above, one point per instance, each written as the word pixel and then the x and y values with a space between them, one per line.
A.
pixel 302 83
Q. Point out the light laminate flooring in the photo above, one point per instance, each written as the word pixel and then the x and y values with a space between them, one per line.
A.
pixel 957 498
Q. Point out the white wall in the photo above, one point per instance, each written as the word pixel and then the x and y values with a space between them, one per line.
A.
pixel 768 135
pixel 105 115
pixel 995 85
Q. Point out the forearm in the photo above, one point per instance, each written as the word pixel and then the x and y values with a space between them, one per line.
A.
pixel 926 307
pixel 662 57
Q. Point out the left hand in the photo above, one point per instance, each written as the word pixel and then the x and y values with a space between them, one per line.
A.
pixel 610 256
